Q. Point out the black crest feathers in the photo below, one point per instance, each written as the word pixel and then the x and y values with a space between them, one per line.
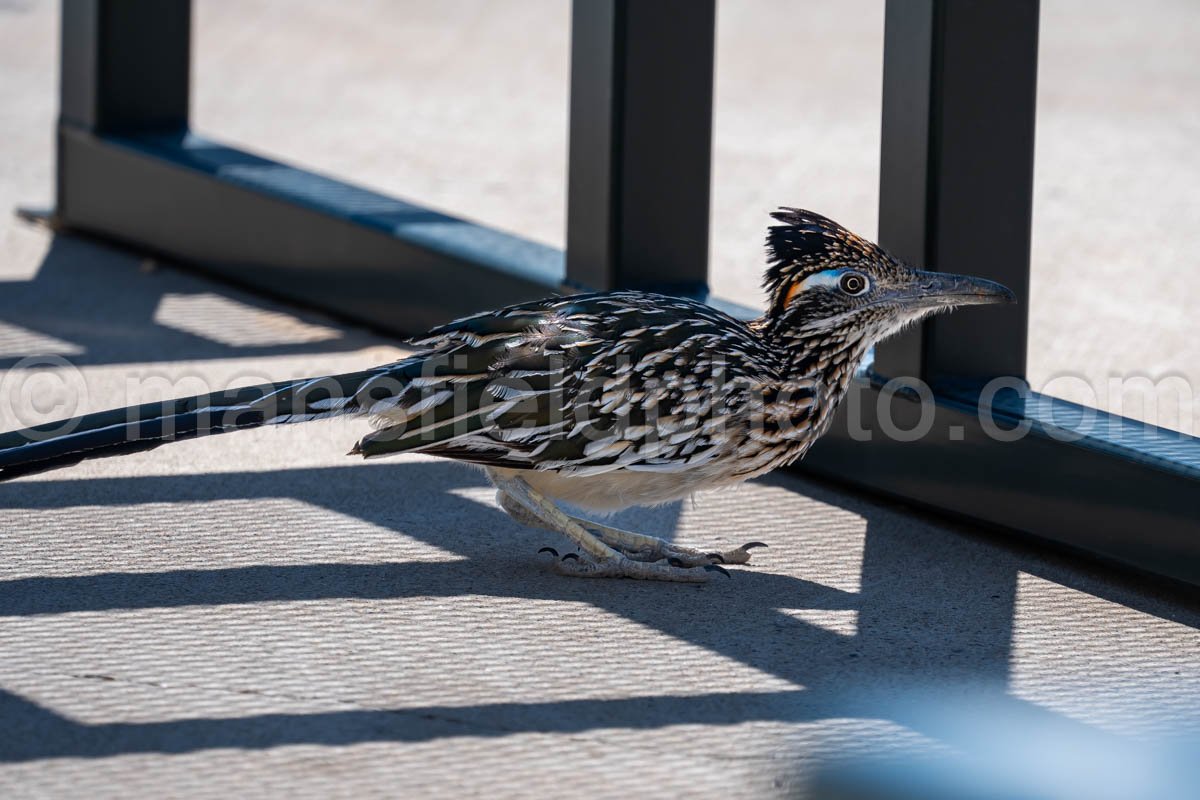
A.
pixel 808 242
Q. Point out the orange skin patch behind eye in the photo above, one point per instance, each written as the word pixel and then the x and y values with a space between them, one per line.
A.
pixel 791 293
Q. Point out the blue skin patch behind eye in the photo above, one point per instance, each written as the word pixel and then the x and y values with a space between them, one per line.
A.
pixel 827 279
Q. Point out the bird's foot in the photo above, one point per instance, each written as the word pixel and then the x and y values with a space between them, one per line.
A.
pixel 738 555
pixel 622 566
pixel 609 550
pixel 641 547
pixel 659 550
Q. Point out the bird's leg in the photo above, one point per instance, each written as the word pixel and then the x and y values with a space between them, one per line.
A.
pixel 637 546
pixel 514 509
pixel 602 561
pixel 651 548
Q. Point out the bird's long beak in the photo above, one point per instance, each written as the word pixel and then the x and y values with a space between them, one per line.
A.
pixel 934 289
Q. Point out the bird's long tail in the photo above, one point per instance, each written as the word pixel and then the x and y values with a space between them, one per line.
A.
pixel 144 427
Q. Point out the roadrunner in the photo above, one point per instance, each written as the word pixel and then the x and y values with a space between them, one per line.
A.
pixel 598 401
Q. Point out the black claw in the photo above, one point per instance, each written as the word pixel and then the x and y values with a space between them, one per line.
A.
pixel 715 568
pixel 715 557
pixel 675 562
pixel 549 550
pixel 749 545
pixel 569 556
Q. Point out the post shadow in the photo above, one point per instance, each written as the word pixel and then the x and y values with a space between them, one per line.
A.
pixel 94 297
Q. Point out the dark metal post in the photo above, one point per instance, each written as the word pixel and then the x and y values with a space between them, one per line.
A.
pixel 956 173
pixel 125 68
pixel 640 143
pixel 125 64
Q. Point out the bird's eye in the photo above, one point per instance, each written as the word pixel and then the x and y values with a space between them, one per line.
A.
pixel 853 284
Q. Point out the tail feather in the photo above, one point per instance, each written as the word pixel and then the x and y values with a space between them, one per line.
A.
pixel 138 428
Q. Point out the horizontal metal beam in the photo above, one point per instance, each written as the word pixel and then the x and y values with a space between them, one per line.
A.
pixel 1096 483
pixel 294 234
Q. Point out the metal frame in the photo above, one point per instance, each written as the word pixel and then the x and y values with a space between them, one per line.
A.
pixel 956 177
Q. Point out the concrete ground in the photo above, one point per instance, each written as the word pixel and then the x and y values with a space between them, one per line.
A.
pixel 259 613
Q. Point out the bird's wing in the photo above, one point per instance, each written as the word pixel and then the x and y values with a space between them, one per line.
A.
pixel 580 385
pixel 472 373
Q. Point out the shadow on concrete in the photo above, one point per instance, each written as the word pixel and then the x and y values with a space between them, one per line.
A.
pixel 923 619
pixel 91 304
